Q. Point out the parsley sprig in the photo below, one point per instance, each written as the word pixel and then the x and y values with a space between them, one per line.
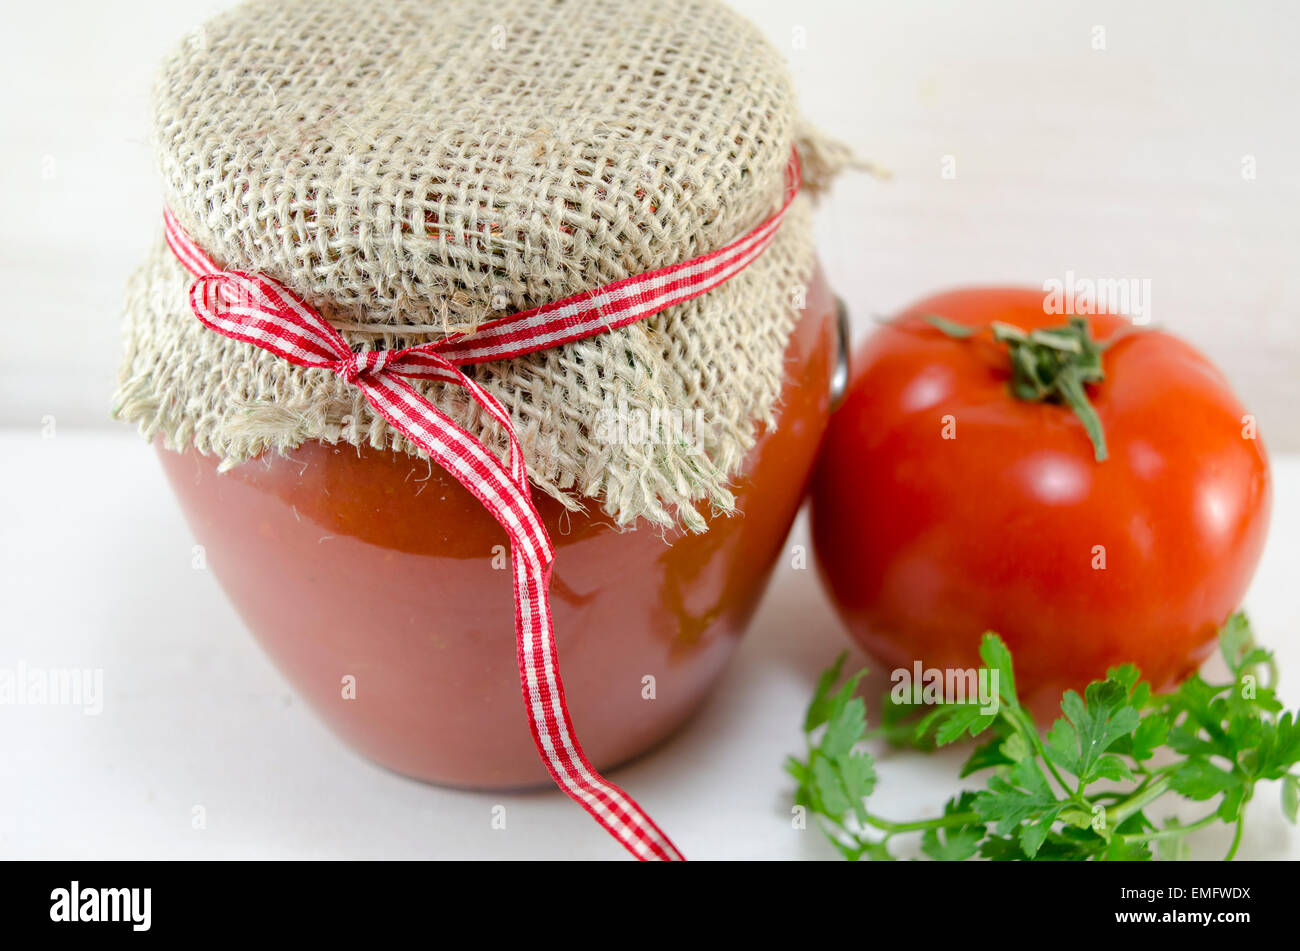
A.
pixel 1087 788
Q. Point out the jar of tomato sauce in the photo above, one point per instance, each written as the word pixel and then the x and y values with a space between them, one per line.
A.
pixel 403 175
pixel 645 623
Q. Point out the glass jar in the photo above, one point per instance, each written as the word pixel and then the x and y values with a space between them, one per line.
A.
pixel 380 588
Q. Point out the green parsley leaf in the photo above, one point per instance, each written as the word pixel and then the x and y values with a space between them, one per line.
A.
pixel 996 656
pixel 1198 779
pixel 1090 727
pixel 954 843
pixel 1290 798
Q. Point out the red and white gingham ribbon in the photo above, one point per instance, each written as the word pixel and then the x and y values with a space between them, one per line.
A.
pixel 260 311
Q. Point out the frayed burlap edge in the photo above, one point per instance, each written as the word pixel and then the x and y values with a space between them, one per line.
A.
pixel 190 387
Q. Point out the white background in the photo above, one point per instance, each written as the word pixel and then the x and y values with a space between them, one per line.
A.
pixel 1117 163
pixel 1124 162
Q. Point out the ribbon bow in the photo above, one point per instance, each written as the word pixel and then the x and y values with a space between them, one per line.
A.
pixel 260 311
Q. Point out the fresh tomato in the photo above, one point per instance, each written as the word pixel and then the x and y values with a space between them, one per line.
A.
pixel 945 506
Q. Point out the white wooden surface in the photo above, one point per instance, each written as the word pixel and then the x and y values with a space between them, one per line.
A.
pixel 97 572
pixel 1122 162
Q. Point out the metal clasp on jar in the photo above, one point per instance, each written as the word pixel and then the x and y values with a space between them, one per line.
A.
pixel 840 375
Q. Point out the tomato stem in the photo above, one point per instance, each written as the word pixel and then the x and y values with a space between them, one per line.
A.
pixel 1049 365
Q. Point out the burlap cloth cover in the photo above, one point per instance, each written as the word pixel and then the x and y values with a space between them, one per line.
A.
pixel 412 167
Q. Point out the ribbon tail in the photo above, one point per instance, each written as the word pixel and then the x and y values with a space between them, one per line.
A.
pixel 552 728
pixel 506 494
